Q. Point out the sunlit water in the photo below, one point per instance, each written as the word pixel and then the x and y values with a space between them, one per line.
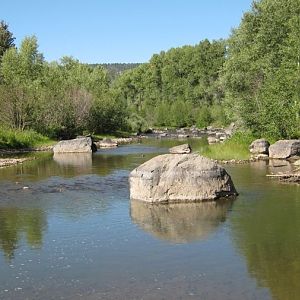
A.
pixel 69 231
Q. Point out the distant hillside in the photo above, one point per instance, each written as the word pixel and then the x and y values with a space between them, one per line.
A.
pixel 116 69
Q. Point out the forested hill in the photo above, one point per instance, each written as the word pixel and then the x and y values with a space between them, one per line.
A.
pixel 116 69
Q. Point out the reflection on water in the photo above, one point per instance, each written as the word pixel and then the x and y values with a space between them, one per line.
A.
pixel 180 222
pixel 14 223
pixel 70 234
pixel 266 230
pixel 83 160
pixel 277 166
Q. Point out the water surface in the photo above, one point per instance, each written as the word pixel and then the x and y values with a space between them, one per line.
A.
pixel 69 231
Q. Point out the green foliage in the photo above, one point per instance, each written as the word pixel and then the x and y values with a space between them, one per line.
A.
pixel 262 73
pixel 60 99
pixel 16 223
pixel 174 84
pixel 253 78
pixel 107 115
pixel 116 69
pixel 137 124
pixel 237 147
pixel 218 115
pixel 6 38
pixel 163 114
pixel 203 117
pixel 20 71
pixel 10 138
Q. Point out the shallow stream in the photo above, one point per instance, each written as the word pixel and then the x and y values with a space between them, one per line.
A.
pixel 69 231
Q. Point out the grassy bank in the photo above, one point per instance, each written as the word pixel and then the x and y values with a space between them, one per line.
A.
pixel 17 139
pixel 237 147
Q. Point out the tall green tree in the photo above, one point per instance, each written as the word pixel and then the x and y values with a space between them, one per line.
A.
pixel 6 38
pixel 20 71
pixel 262 72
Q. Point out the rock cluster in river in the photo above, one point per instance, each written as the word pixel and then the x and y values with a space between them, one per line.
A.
pixel 180 178
pixel 284 149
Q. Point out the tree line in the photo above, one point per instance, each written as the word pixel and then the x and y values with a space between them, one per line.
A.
pixel 58 99
pixel 180 87
pixel 252 78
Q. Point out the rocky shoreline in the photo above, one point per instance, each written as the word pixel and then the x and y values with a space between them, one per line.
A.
pixel 7 162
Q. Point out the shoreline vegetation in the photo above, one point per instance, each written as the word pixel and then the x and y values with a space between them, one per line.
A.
pixel 235 148
pixel 14 140
pixel 252 78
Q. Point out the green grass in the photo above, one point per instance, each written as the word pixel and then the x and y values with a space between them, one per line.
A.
pixel 237 147
pixel 17 139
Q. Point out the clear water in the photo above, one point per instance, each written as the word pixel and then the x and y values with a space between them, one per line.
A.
pixel 69 231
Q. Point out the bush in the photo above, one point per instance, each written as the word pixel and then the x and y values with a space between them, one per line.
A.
pixel 218 116
pixel 203 117
pixel 16 139
pixel 137 124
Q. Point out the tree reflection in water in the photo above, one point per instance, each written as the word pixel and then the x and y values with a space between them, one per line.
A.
pixel 14 223
pixel 266 232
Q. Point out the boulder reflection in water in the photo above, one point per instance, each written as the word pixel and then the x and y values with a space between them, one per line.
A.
pixel 180 222
pixel 82 160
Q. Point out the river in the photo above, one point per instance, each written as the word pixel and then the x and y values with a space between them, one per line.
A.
pixel 69 231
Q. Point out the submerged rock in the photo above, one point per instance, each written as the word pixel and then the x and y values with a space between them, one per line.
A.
pixel 180 178
pixel 181 149
pixel 284 149
pixel 180 222
pixel 81 144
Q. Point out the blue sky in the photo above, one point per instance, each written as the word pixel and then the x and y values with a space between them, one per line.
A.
pixel 98 31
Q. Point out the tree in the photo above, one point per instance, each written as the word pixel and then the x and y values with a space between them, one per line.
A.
pixel 262 72
pixel 6 38
pixel 182 79
pixel 20 72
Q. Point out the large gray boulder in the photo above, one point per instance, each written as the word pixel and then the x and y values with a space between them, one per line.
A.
pixel 180 178
pixel 284 149
pixel 78 145
pixel 260 146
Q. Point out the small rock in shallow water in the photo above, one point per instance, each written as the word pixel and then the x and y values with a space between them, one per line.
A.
pixel 181 149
